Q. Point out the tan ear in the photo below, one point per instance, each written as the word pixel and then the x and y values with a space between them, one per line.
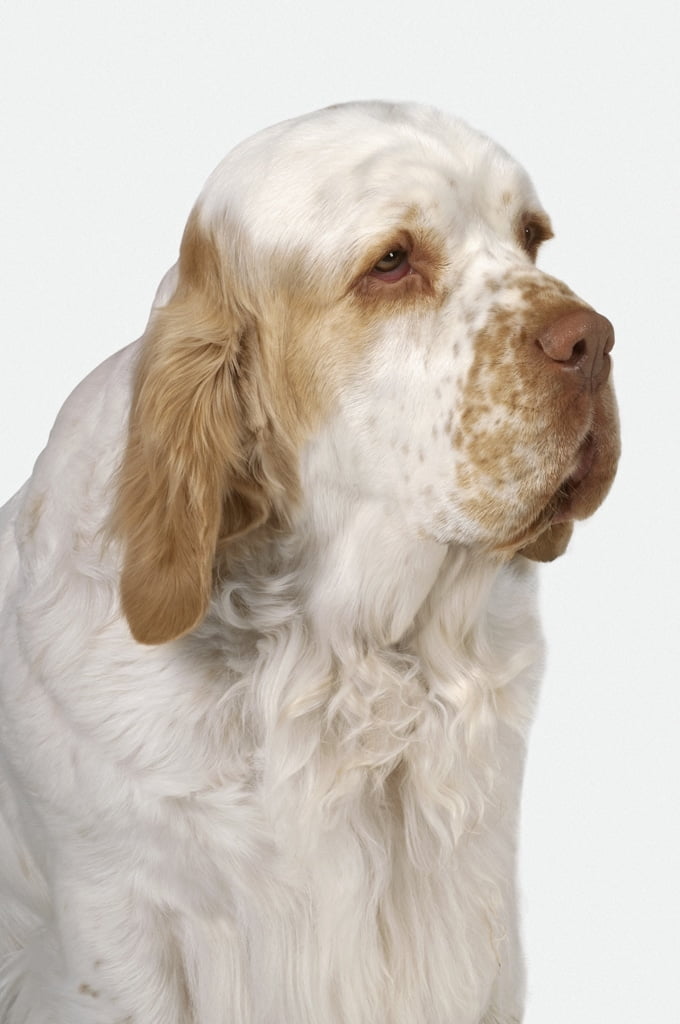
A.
pixel 550 544
pixel 190 475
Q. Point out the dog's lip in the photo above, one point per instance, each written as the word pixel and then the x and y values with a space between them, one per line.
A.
pixel 567 492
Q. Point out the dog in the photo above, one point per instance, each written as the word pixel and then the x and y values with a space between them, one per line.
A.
pixel 270 647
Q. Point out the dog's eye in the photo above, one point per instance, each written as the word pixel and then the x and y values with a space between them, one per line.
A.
pixel 390 261
pixel 532 232
pixel 532 236
pixel 392 266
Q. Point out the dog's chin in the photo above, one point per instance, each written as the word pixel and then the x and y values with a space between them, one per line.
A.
pixel 577 497
pixel 561 511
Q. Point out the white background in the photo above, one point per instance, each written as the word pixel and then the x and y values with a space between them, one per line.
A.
pixel 112 116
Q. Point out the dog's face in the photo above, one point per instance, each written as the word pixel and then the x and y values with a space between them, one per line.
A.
pixel 365 276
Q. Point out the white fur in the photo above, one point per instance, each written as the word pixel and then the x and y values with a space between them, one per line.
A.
pixel 304 811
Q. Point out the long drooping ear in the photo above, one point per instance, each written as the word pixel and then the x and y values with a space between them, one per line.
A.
pixel 192 474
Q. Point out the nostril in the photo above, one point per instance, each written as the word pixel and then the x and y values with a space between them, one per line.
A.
pixel 578 353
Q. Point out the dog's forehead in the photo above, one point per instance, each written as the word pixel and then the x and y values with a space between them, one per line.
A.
pixel 352 168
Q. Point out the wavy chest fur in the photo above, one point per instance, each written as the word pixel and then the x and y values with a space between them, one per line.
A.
pixel 365 803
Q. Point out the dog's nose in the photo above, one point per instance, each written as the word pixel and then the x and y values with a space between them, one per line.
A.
pixel 579 342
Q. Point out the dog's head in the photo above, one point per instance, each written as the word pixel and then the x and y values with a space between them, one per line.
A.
pixel 366 273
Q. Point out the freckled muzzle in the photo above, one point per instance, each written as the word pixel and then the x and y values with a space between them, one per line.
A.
pixel 539 428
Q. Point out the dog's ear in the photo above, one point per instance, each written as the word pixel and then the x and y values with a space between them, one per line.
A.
pixel 192 475
pixel 550 544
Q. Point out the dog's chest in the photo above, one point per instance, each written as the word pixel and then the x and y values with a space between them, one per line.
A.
pixel 348 879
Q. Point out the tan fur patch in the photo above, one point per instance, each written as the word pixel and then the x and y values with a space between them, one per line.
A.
pixel 207 457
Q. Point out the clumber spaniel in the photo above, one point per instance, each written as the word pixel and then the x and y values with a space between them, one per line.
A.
pixel 269 638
